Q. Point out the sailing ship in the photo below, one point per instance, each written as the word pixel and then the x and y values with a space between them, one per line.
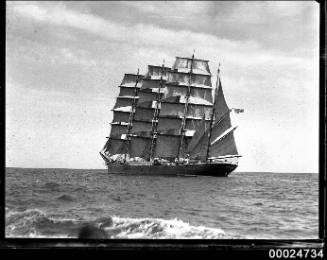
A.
pixel 171 121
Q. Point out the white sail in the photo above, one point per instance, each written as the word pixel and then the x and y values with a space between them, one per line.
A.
pixel 198 65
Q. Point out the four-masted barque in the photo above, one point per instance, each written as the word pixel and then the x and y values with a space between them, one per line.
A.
pixel 168 122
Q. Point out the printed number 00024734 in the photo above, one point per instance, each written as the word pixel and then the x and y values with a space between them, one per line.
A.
pixel 296 253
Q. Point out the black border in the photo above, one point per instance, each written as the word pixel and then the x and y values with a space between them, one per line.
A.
pixel 322 121
pixel 220 246
pixel 2 119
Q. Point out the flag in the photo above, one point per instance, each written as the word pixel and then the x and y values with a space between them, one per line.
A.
pixel 237 110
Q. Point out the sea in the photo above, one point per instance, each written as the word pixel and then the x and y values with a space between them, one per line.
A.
pixel 58 203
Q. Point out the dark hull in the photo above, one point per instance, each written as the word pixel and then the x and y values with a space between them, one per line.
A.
pixel 213 169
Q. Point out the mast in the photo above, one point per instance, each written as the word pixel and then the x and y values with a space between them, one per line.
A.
pixel 182 129
pixel 155 120
pixel 132 113
pixel 213 112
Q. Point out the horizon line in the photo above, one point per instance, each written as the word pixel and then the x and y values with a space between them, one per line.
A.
pixel 64 168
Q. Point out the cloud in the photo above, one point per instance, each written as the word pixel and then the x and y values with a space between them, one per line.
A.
pixel 141 34
pixel 262 12
pixel 174 9
pixel 60 16
pixel 31 51
pixel 146 35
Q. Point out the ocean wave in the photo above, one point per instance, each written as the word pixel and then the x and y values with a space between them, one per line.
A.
pixel 149 228
pixel 52 186
pixel 65 198
pixel 37 223
pixel 79 189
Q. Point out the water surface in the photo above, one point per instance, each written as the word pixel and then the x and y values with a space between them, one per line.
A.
pixel 57 202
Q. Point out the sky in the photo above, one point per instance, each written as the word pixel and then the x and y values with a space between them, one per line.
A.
pixel 65 61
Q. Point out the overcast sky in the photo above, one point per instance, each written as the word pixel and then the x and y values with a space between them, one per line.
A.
pixel 64 61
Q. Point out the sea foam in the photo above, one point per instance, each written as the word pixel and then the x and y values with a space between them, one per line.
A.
pixel 37 223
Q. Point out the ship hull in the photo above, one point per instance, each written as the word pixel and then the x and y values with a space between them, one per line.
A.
pixel 213 169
